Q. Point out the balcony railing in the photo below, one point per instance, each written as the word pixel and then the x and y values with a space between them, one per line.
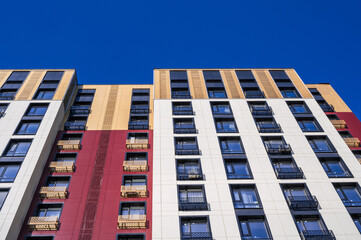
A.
pixel 75 126
pixel 327 107
pixel 193 204
pixel 185 130
pixel 135 166
pixel 345 174
pixel 352 142
pixel 187 152
pixel 278 148
pixel 338 123
pixel 138 126
pixel 53 192
pixel 302 202
pixel 183 112
pixel 317 235
pixel 83 109
pixel 289 173
pixel 43 223
pixel 137 144
pixel 181 96
pixel 69 145
pixel 190 174
pixel 133 191
pixel 7 95
pixel 61 166
pixel 132 221
pixel 275 128
pixel 263 111
pixel 350 203
pixel 139 110
pixel 254 94
pixel 196 235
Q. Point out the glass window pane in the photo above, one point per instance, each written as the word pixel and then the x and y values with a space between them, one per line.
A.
pixel 312 225
pixel 258 229
pixel 352 194
pixel 199 226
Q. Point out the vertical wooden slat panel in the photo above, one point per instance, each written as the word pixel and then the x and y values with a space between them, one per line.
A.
pixel 109 111
pixel 164 84
pixel 4 74
pixel 233 89
pixel 156 83
pixel 63 85
pixel 196 84
pixel 301 87
pixel 30 85
pixel 267 84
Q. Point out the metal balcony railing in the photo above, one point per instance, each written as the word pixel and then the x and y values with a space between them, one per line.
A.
pixel 82 109
pixel 69 145
pixel 196 235
pixel 317 235
pixel 345 174
pixel 240 204
pixel 183 112
pixel 133 191
pixel 137 144
pixel 193 204
pixel 338 123
pixel 185 130
pixel 139 110
pixel 53 192
pixel 254 94
pixel 181 96
pixel 289 173
pixel 75 126
pixel 187 152
pixel 135 166
pixel 61 166
pixel 43 223
pixel 190 174
pixel 275 128
pixel 352 142
pixel 132 221
pixel 138 126
pixel 302 202
pixel 278 148
pixel 263 111
pixel 327 107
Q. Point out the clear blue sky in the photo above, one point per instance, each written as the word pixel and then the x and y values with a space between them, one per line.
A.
pixel 122 41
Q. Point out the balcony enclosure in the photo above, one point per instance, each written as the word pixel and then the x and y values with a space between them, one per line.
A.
pixel 260 109
pixel 70 141
pixel 312 228
pixel 135 161
pixel 132 216
pixel 267 125
pixel 137 141
pixel 194 228
pixel 179 84
pixel 192 198
pixel 63 162
pixel 76 123
pixel 138 123
pixel 184 126
pixel 182 108
pixel 134 186
pixel 56 187
pixel 286 169
pixel 299 198
pixel 189 169
pixel 46 218
pixel 276 146
pixel 186 146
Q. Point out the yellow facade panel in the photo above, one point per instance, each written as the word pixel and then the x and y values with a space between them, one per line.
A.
pixel 301 87
pixel 331 97
pixel 63 85
pixel 31 84
pixel 231 84
pixel 267 84
pixel 196 84
pixel 4 74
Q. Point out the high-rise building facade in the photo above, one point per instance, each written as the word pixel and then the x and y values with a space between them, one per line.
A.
pixel 202 154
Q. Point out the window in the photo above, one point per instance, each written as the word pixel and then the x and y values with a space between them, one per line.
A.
pixel 245 196
pixel 357 220
pixel 237 169
pixel 182 108
pixel 230 145
pixel 3 107
pixel 195 228
pixel 36 109
pixel 138 123
pixel 53 75
pixel 134 180
pixel 3 195
pixel 136 156
pixel 60 157
pixel 58 181
pixel 260 108
pixel 221 108
pixel 249 84
pixel 217 93
pixel 76 123
pixel 335 168
pixel 290 93
pixel 8 172
pixel 49 210
pixel 309 125
pixel 267 125
pixel 276 146
pixel 299 198
pixel 320 144
pixel 189 169
pixel 349 194
pixel 225 125
pixel 44 94
pixel 298 107
pixel 186 146
pixel 192 198
pixel 312 227
pixel 72 136
pixel 332 117
pixel 12 85
pixel 253 93
pixel 254 228
pixel 184 125
pixel 179 84
pixel 27 128
pixel 130 237
pixel 286 169
pixel 132 209
pixel 214 84
pixel 17 148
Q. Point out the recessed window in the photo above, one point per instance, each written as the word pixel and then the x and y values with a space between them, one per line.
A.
pixel 27 127
pixel 298 107
pixel 299 198
pixel 349 194
pixel 221 108
pixel 135 180
pixel 312 227
pixel 192 198
pixel 290 93
pixel 76 123
pixel 309 125
pixel 225 125
pixel 3 195
pixel 12 85
pixel 184 125
pixel 36 109
pixel 72 136
pixel 260 108
pixel 58 181
pixel 8 172
pixel 237 169
pixel 193 227
pixel 44 94
pixel 267 125
pixel 214 84
pixel 139 122
pixel 335 168
pixel 186 146
pixel 132 208
pixel 231 145
pixel 189 169
pixel 245 196
pixel 320 144
pixel 53 75
pixel 286 168
pixel 254 228
pixel 17 148
pixel 182 108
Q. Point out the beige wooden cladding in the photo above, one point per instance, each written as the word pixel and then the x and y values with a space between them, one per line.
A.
pixel 301 87
pixel 109 110
pixel 231 84
pixel 196 84
pixel 30 85
pixel 162 84
pixel 4 74
pixel 266 83
pixel 63 85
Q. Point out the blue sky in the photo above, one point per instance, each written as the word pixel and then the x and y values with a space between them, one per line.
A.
pixel 122 41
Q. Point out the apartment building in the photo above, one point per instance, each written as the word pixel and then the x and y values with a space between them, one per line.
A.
pixel 200 154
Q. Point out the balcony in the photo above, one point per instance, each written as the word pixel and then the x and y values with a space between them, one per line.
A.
pixel 7 95
pixel 289 173
pixel 181 96
pixel 133 191
pixel 190 174
pixel 278 148
pixel 338 123
pixel 317 235
pixel 82 109
pixel 135 166
pixel 187 152
pixel 196 236
pixel 254 94
pixel 64 166
pixel 75 126
pixel 138 126
pixel 43 223
pixel 268 128
pixel 132 221
pixel 302 202
pixel 352 142
pixel 193 204
pixel 139 110
pixel 185 130
pixel 261 111
pixel 137 144
pixel 53 192
pixel 69 145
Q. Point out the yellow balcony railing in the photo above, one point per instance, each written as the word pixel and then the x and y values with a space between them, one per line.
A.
pixel 352 142
pixel 134 191
pixel 69 145
pixel 63 166
pixel 43 223
pixel 132 221
pixel 137 144
pixel 135 166
pixel 338 123
pixel 53 192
